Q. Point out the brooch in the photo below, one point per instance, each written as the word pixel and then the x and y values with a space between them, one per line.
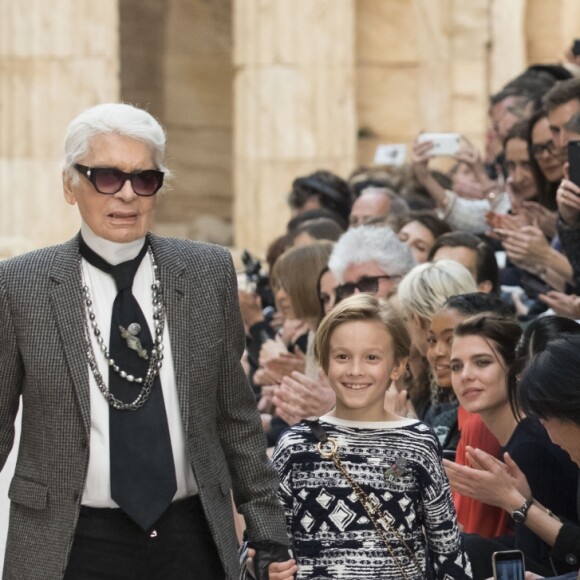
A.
pixel 396 469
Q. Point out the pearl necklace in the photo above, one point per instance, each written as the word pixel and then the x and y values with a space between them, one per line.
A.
pixel 155 355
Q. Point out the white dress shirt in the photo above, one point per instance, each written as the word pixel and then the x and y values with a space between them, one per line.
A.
pixel 97 492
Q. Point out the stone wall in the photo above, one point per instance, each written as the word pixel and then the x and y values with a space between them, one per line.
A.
pixel 56 59
pixel 253 93
pixel 294 105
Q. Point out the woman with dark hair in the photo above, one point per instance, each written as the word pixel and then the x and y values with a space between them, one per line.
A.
pixel 545 164
pixel 539 265
pixel 419 230
pixel 474 516
pixel 484 371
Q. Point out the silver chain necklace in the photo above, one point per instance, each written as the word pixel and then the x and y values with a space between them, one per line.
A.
pixel 155 356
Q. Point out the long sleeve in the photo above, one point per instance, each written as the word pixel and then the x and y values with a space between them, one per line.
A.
pixel 11 373
pixel 443 538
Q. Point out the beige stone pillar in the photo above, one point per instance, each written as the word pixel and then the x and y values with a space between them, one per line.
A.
pixel 294 105
pixel 421 65
pixel 56 58
pixel 197 96
pixel 550 29
pixel 508 42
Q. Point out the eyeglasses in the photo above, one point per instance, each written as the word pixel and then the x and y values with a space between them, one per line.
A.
pixel 536 149
pixel 109 180
pixel 369 285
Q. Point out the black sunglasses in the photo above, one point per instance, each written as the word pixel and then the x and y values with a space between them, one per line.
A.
pixel 537 149
pixel 109 180
pixel 369 285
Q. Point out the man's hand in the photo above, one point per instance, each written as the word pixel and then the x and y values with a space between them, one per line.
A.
pixel 299 397
pixel 276 570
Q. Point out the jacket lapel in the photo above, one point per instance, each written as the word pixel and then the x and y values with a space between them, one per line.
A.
pixel 173 285
pixel 68 311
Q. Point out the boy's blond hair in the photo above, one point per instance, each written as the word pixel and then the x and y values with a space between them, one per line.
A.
pixel 362 307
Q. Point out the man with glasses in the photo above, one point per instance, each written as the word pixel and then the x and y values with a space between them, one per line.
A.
pixel 369 259
pixel 137 417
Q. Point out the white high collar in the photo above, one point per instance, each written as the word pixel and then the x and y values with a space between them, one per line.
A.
pixel 112 252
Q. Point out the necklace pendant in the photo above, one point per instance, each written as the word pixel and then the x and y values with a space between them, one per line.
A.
pixel 133 341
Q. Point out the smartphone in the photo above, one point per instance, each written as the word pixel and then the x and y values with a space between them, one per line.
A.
pixel 391 154
pixel 508 565
pixel 574 160
pixel 443 143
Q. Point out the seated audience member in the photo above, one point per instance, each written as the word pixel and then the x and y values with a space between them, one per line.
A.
pixel 460 213
pixel 419 230
pixel 369 259
pixel 313 214
pixel 298 271
pixel 568 225
pixel 420 294
pixel 321 189
pixel 379 206
pixel 546 164
pixel 473 253
pixel 473 515
pixel 528 247
pixel 533 264
pixel 326 287
pixel 549 391
pixel 504 485
pixel 562 103
pixel 484 370
pixel 314 230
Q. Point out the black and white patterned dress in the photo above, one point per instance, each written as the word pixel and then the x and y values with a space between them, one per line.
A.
pixel 397 463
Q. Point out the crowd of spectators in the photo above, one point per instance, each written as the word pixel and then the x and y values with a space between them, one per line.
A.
pixel 471 258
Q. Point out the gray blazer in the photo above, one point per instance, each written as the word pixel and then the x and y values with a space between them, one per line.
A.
pixel 43 359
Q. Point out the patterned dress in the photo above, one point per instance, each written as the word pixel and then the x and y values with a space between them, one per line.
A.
pixel 397 464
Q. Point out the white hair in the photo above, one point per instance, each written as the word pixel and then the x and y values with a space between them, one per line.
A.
pixel 425 289
pixel 371 244
pixel 113 118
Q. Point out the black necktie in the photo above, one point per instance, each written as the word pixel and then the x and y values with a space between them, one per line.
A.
pixel 143 481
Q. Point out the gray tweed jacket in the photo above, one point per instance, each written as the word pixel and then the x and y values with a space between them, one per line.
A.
pixel 43 359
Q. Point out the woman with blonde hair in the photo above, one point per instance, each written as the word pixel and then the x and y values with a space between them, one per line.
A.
pixel 421 293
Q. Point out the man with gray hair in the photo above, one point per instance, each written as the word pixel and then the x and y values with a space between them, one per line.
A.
pixel 379 206
pixel 369 259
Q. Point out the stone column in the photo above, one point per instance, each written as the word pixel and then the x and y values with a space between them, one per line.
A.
pixel 508 49
pixel 421 65
pixel 294 107
pixel 56 59
pixel 550 29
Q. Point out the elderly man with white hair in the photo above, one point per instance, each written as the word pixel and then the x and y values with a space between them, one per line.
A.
pixel 124 348
pixel 369 259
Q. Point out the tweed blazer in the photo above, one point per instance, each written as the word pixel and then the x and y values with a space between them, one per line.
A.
pixel 43 363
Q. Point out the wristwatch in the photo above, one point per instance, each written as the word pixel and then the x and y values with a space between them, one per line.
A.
pixel 520 514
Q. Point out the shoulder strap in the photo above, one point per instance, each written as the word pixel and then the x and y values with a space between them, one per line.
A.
pixel 317 430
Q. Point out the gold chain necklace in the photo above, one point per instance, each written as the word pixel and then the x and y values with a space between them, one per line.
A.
pixel 370 507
